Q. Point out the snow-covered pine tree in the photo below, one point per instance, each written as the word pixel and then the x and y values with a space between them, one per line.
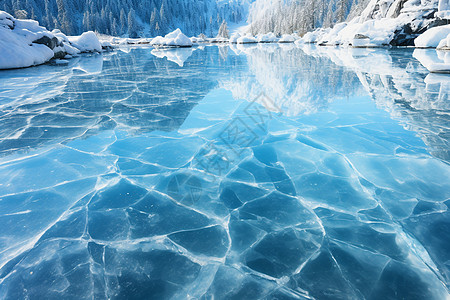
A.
pixel 132 25
pixel 223 30
pixel 123 23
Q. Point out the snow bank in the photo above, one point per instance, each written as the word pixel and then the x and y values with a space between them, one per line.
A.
pixel 173 39
pixel 444 44
pixel 112 40
pixel 314 36
pixel 87 42
pixel 287 38
pixel 382 23
pixel 24 43
pixel 435 61
pixel 328 37
pixel 17 49
pixel 267 38
pixel 234 38
pixel 378 32
pixel 432 37
pixel 247 40
pixel 197 40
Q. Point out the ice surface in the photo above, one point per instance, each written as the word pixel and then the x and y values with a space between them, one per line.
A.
pixel 127 179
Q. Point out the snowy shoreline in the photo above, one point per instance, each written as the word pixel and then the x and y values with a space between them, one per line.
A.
pixel 24 43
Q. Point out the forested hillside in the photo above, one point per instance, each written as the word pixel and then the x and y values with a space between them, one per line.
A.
pixel 131 17
pixel 158 17
pixel 288 16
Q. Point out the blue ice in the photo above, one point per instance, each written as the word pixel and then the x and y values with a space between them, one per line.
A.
pixel 226 172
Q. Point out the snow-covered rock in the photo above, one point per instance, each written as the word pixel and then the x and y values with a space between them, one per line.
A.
pixel 267 38
pixel 234 38
pixel 197 40
pixel 314 36
pixel 287 38
pixel 247 40
pixel 435 61
pixel 444 44
pixel 219 39
pixel 159 40
pixel 432 37
pixel 173 39
pixel 328 37
pixel 17 47
pixel 24 43
pixel 383 23
pixel 87 42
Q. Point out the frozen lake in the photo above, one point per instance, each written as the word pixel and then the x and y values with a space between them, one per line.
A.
pixel 251 172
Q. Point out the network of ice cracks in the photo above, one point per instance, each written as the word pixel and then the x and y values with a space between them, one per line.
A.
pixel 122 176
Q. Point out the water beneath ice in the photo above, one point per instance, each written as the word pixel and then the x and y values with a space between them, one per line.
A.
pixel 257 172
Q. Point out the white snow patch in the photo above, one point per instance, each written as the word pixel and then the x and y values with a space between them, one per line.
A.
pixel 173 39
pixel 234 38
pixel 247 40
pixel 18 47
pixel 267 38
pixel 87 42
pixel 432 37
pixel 444 44
pixel 287 38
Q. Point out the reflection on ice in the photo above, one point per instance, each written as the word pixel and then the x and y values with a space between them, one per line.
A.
pixel 254 173
pixel 90 65
pixel 440 84
pixel 401 86
pixel 297 83
pixel 435 61
pixel 176 55
pixel 48 107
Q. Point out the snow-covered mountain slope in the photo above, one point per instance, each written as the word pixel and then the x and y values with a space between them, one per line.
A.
pixel 386 22
pixel 131 17
pixel 301 16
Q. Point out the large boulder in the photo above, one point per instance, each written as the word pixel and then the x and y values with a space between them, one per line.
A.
pixel 50 42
